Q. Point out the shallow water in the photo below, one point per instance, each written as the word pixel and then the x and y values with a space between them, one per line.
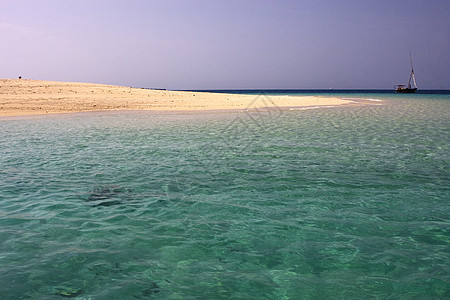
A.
pixel 339 202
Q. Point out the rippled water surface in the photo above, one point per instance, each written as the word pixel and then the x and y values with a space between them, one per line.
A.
pixel 329 203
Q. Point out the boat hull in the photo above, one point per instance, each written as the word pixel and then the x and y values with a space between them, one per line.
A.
pixel 406 90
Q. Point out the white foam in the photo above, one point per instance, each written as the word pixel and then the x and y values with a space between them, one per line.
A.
pixel 311 107
pixel 362 99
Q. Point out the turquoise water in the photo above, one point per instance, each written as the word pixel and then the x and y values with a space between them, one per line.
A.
pixel 329 203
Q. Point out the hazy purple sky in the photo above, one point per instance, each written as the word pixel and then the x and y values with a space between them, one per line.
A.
pixel 227 44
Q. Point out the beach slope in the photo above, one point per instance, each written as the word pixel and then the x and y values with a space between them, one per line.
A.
pixel 33 97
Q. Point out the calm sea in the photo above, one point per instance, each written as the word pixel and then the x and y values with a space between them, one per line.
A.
pixel 327 203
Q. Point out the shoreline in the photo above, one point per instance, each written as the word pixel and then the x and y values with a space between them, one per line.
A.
pixel 26 97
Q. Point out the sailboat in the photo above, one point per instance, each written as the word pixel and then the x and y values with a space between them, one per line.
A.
pixel 401 88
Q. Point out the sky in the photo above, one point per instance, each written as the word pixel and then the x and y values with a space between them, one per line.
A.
pixel 228 44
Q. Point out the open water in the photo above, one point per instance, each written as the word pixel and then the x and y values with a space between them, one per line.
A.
pixel 329 203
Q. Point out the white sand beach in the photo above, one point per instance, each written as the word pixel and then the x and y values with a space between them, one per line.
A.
pixel 20 97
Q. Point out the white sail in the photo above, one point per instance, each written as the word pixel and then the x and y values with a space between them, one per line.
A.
pixel 412 72
pixel 414 79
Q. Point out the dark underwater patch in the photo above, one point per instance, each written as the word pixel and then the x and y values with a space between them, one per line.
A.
pixel 106 196
pixel 69 292
pixel 151 290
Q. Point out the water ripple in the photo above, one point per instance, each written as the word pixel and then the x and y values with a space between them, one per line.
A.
pixel 342 202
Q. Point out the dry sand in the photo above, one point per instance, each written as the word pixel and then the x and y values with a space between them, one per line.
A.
pixel 19 97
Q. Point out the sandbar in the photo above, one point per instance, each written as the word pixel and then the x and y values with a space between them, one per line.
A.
pixel 22 97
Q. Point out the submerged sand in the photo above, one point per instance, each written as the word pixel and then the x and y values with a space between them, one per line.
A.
pixel 19 97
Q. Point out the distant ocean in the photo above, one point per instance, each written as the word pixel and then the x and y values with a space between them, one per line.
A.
pixel 348 202
pixel 322 91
